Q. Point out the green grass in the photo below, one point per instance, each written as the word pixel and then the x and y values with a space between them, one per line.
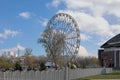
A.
pixel 115 75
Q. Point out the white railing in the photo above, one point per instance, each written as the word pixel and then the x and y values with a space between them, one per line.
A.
pixel 51 74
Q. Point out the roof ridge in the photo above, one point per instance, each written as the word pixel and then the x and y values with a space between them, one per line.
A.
pixel 114 41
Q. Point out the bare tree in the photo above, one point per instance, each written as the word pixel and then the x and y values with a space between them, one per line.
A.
pixel 53 42
pixel 30 61
pixel 28 51
pixel 88 61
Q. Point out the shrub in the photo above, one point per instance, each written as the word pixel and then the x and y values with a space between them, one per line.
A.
pixel 42 66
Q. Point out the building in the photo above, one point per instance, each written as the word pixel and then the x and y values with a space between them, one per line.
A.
pixel 109 54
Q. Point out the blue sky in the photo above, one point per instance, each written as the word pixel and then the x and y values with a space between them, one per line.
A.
pixel 22 21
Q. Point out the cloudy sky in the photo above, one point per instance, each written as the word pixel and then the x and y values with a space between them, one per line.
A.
pixel 22 22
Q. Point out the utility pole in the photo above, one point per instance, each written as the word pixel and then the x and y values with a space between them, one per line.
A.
pixel 18 52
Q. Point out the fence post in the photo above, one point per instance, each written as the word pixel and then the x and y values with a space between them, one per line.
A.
pixel 4 75
pixel 66 75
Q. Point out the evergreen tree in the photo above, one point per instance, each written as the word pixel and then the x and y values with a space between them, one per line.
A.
pixel 42 66
pixel 18 66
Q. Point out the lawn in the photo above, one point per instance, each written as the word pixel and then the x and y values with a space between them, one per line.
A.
pixel 114 75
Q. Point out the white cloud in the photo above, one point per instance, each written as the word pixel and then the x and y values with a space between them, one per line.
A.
pixel 43 21
pixel 97 7
pixel 25 15
pixel 8 33
pixel 91 24
pixel 14 49
pixel 91 18
pixel 115 28
pixel 89 15
pixel 54 3
pixel 85 37
pixel 71 4
pixel 20 47
pixel 82 51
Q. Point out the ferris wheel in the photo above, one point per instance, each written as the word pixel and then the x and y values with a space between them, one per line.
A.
pixel 67 27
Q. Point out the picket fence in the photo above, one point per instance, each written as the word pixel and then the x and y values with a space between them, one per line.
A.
pixel 52 74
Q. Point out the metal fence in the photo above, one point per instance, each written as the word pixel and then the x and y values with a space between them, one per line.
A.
pixel 52 74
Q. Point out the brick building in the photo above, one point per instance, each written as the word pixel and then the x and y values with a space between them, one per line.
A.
pixel 109 54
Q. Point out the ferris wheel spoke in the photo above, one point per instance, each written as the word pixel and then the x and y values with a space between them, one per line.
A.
pixel 71 44
pixel 72 37
pixel 68 32
pixel 71 34
pixel 69 50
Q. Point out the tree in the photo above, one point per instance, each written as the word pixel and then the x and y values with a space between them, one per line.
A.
pixel 28 51
pixel 30 61
pixel 18 66
pixel 53 42
pixel 87 62
pixel 71 65
pixel 5 63
pixel 42 66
